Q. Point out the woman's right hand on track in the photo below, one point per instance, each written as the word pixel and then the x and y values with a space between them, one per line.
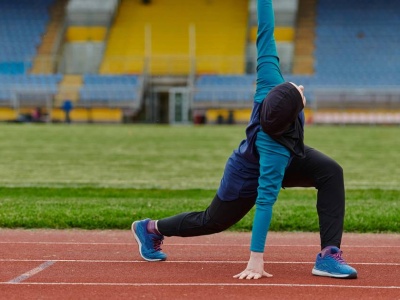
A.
pixel 255 268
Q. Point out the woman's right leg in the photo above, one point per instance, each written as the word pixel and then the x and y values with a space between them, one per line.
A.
pixel 219 216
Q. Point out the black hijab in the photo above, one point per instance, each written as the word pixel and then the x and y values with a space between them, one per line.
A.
pixel 279 117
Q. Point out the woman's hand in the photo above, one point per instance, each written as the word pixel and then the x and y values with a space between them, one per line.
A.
pixel 255 267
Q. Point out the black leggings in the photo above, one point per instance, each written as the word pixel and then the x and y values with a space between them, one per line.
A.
pixel 315 170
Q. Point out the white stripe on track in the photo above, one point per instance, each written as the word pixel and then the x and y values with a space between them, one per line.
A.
pixel 32 272
pixel 194 245
pixel 208 284
pixel 185 261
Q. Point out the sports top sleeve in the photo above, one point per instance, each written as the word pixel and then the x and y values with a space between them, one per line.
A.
pixel 273 156
pixel 268 71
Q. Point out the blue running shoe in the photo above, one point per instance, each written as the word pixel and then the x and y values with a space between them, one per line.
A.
pixel 331 264
pixel 149 243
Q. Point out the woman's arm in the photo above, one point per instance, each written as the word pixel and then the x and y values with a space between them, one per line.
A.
pixel 268 71
pixel 273 156
pixel 273 160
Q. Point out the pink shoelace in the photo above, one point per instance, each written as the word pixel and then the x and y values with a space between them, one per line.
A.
pixel 157 244
pixel 338 257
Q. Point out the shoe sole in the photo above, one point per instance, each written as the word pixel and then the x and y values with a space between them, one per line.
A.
pixel 317 272
pixel 140 245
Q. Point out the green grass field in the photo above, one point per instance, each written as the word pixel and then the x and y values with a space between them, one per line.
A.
pixel 106 176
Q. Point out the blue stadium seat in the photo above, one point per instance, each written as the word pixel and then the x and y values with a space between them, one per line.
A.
pixel 224 88
pixel 22 24
pixel 14 83
pixel 110 89
pixel 357 47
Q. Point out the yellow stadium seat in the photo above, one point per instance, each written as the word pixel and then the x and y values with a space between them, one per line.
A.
pixel 165 36
pixel 106 115
pixel 96 114
pixel 238 115
pixel 7 114
pixel 282 34
pixel 80 115
pixel 86 33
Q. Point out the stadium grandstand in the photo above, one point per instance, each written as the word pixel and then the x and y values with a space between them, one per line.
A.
pixel 193 61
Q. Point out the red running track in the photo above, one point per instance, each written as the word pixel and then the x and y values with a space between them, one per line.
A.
pixel 76 264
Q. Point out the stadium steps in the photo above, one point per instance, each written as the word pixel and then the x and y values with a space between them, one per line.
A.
pixel 303 63
pixel 68 89
pixel 43 63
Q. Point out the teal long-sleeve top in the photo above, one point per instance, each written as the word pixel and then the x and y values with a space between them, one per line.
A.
pixel 274 157
pixel 256 168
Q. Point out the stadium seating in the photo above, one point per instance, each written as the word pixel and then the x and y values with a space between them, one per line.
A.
pixel 354 49
pixel 224 90
pixel 86 30
pixel 357 47
pixel 22 24
pixel 111 90
pixel 11 85
pixel 172 32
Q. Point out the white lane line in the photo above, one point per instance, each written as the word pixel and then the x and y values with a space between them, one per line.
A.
pixel 186 261
pixel 209 284
pixel 32 272
pixel 196 245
